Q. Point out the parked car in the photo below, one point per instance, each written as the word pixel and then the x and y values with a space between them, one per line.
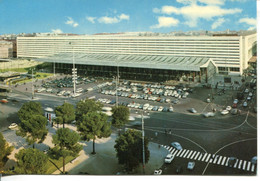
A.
pixel 250 94
pixel 254 160
pixel 4 100
pixel 169 158
pixel 246 91
pixel 235 101
pixel 176 101
pixel 228 108
pixel 12 126
pixel 191 165
pixel 234 105
pixel 224 112
pixel 192 110
pixel 160 108
pixel 208 114
pixel 157 172
pixel 234 111
pixel 155 108
pixel 176 145
pixel 245 104
pixel 249 98
pixel 171 109
pixel 165 109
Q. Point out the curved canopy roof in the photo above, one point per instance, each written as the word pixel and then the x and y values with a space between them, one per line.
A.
pixel 135 61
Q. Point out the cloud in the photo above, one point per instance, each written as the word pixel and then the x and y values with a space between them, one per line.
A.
pixel 193 12
pixel 71 22
pixel 56 31
pixel 112 20
pixel 217 23
pixel 166 22
pixel 91 19
pixel 249 21
pixel 252 22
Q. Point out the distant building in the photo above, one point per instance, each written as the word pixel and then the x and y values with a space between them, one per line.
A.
pixel 6 49
pixel 229 53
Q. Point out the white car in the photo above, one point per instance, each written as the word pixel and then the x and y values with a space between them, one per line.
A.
pixel 235 101
pixel 160 109
pixel 12 126
pixel 224 112
pixel 246 91
pixel 248 98
pixel 192 110
pixel 191 165
pixel 157 172
pixel 228 108
pixel 170 109
pixel 245 104
pixel 150 108
pixel 169 158
pixel 250 94
pixel 209 114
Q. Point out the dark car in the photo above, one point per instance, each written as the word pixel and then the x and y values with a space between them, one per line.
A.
pixel 165 109
pixel 112 102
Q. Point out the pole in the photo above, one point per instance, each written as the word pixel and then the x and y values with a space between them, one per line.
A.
pixel 32 85
pixel 117 82
pixel 143 141
pixel 74 74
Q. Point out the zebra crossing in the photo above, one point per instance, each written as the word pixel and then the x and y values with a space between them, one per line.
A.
pixel 211 158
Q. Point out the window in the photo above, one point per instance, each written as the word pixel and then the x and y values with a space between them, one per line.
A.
pixel 233 69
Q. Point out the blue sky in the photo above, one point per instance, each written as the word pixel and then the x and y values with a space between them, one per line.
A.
pixel 97 16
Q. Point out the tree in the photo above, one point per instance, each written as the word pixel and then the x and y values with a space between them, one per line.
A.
pixel 28 109
pixel 85 106
pixel 129 149
pixel 31 161
pixel 5 151
pixel 65 114
pixel 120 116
pixel 66 143
pixel 33 129
pixel 94 125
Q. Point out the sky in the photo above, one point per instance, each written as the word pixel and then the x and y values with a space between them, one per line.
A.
pixel 113 16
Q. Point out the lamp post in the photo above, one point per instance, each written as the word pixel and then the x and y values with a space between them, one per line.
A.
pixel 143 141
pixel 74 72
pixel 32 85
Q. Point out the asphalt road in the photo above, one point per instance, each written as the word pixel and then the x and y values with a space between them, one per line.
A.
pixel 228 135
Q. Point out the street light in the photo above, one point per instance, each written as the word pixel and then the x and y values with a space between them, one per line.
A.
pixel 32 85
pixel 74 72
pixel 143 141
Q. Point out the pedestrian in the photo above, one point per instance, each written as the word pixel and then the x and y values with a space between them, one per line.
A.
pixel 156 134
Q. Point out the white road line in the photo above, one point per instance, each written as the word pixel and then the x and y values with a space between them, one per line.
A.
pixel 170 149
pixel 207 159
pixel 196 155
pixel 193 154
pixel 189 154
pixel 235 165
pixel 182 152
pixel 227 162
pixel 179 152
pixel 253 168
pixel 216 159
pixel 244 166
pixel 175 152
pixel 200 157
pixel 184 156
pixel 204 157
pixel 219 160
pixel 248 166
pixel 223 161
pixel 239 166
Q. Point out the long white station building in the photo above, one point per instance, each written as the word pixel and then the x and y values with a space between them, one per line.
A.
pixel 229 53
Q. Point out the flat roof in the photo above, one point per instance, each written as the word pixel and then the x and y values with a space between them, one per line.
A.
pixel 134 61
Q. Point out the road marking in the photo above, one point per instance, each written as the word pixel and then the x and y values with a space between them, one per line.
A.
pixel 219 160
pixel 196 155
pixel 248 166
pixel 190 154
pixel 239 166
pixel 207 159
pixel 179 152
pixel 171 149
pixel 204 157
pixel 184 156
pixel 244 166
pixel 193 155
pixel 183 152
pixel 227 162
pixel 253 168
pixel 200 156
pixel 235 165
pixel 216 159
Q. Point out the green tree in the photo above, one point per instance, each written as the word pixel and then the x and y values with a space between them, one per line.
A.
pixel 5 151
pixel 85 106
pixel 28 109
pixel 66 143
pixel 31 161
pixel 94 125
pixel 33 129
pixel 65 114
pixel 129 148
pixel 120 116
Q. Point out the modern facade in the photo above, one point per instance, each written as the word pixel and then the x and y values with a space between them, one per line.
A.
pixel 6 49
pixel 230 53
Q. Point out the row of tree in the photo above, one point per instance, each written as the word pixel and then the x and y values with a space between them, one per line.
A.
pixel 91 124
